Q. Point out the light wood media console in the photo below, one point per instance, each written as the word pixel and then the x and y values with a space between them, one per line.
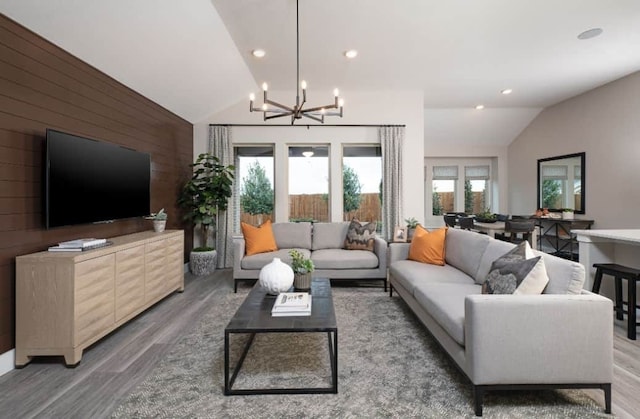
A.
pixel 66 301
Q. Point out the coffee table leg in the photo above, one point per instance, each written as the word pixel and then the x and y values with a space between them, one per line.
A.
pixel 333 359
pixel 226 364
pixel 228 382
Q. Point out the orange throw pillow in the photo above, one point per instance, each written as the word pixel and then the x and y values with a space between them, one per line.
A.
pixel 428 247
pixel 258 239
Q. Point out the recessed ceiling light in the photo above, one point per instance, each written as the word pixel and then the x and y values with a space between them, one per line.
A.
pixel 258 53
pixel 591 33
pixel 479 107
pixel 506 91
pixel 352 53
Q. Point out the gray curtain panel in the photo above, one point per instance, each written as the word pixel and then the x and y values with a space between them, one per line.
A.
pixel 391 139
pixel 220 145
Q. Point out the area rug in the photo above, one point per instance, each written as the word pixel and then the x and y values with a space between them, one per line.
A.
pixel 389 366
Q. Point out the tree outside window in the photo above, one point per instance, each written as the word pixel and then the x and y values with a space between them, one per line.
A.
pixel 362 183
pixel 254 195
pixel 256 192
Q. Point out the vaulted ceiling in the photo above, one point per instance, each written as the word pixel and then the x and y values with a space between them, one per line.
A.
pixel 194 57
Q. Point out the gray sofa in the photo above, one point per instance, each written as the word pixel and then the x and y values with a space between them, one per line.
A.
pixel 560 339
pixel 324 243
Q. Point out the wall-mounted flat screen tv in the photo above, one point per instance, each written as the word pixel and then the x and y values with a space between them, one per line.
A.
pixel 90 181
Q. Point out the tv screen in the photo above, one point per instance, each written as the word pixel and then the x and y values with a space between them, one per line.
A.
pixel 89 181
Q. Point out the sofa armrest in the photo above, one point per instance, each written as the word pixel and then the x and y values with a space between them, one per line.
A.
pixel 398 251
pixel 539 339
pixel 380 249
pixel 238 253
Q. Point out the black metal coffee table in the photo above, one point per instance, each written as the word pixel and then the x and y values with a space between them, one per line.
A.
pixel 254 316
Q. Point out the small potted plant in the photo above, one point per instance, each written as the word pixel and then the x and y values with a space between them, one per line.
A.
pixel 302 269
pixel 159 220
pixel 567 213
pixel 486 216
pixel 412 223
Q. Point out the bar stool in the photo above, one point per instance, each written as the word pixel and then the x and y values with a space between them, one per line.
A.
pixel 620 272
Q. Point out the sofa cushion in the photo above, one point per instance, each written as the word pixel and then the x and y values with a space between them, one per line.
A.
pixel 344 259
pixel 292 235
pixel 495 249
pixel 444 301
pixel 464 249
pixel 517 272
pixel 409 273
pixel 360 236
pixel 565 276
pixel 258 239
pixel 428 246
pixel 256 262
pixel 329 235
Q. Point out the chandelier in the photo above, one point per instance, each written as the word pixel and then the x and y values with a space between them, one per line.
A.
pixel 271 109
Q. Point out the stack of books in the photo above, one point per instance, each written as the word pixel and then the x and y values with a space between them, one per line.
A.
pixel 292 304
pixel 79 245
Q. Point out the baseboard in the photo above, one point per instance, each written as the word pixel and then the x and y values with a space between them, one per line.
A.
pixel 7 361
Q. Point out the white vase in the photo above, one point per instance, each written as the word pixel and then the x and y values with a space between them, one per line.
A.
pixel 276 277
pixel 159 225
pixel 567 215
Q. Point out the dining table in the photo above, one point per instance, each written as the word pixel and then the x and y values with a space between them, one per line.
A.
pixel 498 227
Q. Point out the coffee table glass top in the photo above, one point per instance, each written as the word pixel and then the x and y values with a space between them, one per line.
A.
pixel 255 312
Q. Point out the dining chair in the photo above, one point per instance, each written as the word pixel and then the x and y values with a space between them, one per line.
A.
pixel 517 231
pixel 502 217
pixel 465 223
pixel 450 220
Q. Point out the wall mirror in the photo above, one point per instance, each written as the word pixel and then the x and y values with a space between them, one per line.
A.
pixel 561 182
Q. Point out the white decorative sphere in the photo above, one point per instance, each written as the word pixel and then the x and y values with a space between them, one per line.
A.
pixel 276 277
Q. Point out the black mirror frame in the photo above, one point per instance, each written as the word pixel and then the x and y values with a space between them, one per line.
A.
pixel 582 179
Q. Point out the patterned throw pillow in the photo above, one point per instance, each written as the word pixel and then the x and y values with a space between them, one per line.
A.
pixel 517 272
pixel 360 237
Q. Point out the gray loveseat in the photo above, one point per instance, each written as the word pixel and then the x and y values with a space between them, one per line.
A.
pixel 560 339
pixel 324 243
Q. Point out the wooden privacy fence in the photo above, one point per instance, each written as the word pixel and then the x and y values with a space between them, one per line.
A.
pixel 447 199
pixel 316 207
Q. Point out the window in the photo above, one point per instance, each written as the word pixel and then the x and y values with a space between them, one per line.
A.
pixel 309 183
pixel 255 197
pixel 444 189
pixel 476 188
pixel 362 183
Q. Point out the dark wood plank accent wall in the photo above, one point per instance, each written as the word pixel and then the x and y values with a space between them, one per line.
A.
pixel 42 86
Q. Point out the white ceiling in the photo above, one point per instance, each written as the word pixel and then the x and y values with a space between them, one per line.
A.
pixel 193 57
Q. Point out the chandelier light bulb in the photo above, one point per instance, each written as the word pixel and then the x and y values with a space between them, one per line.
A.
pixel 303 84
pixel 341 103
pixel 264 107
pixel 336 92
pixel 252 97
pixel 323 111
pixel 265 86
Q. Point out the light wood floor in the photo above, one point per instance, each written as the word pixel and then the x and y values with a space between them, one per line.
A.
pixel 111 369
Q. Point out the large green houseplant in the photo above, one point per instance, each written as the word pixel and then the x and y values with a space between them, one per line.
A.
pixel 204 196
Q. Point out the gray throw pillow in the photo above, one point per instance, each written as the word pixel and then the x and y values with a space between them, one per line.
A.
pixel 360 237
pixel 511 270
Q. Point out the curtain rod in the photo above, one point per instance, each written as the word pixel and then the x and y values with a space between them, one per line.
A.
pixel 308 125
